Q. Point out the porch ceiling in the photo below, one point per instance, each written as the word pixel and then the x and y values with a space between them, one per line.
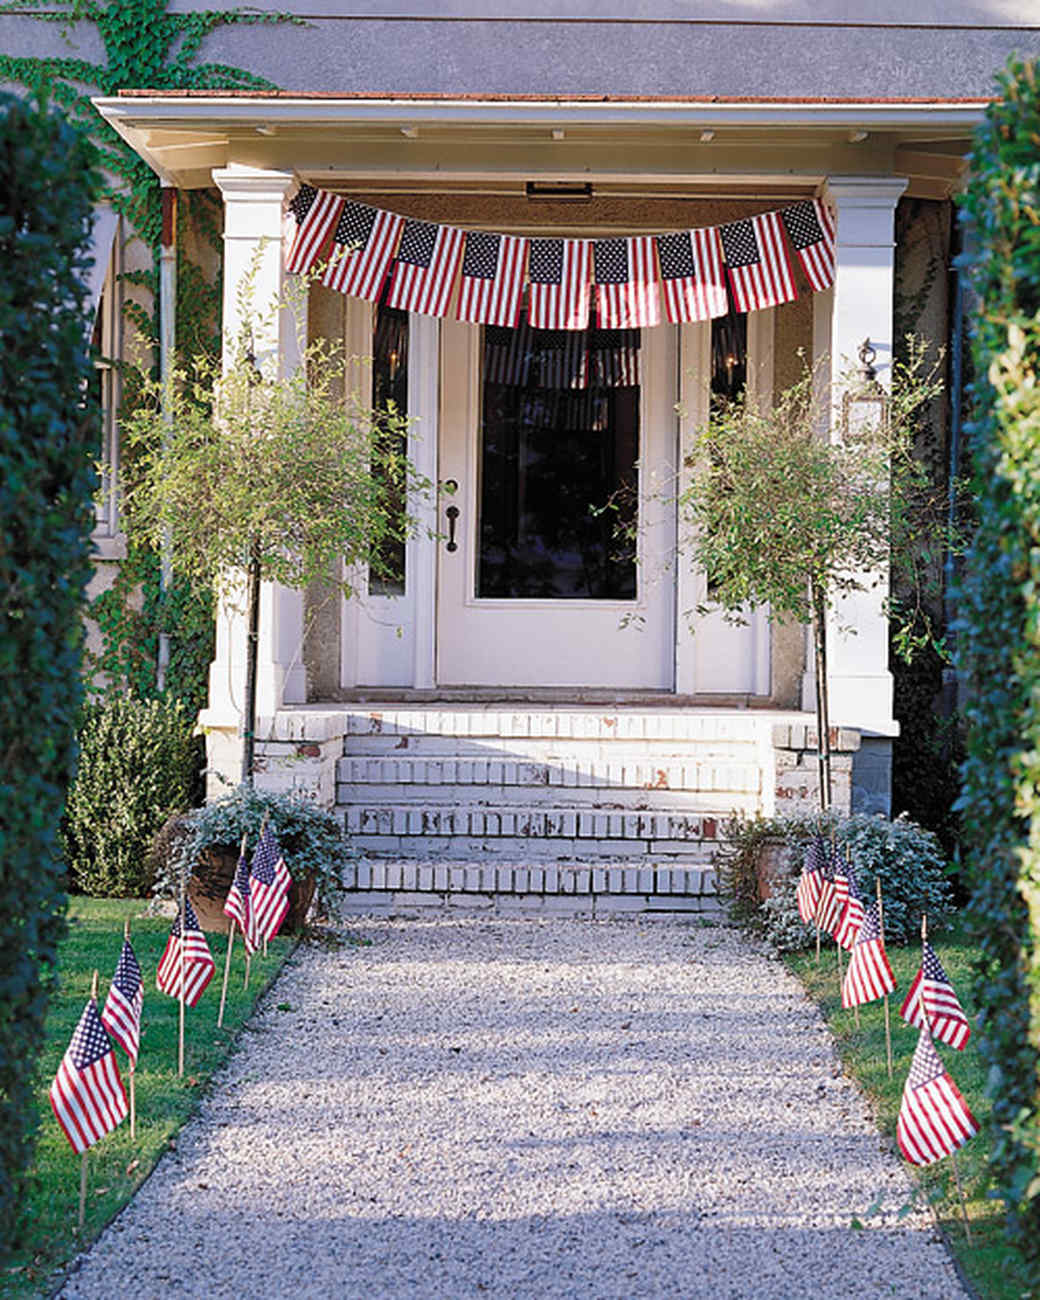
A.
pixel 740 147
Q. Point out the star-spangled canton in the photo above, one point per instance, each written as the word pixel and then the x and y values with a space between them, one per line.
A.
pixel 362 250
pixel 316 213
pixel 239 904
pixel 625 273
pixel 269 881
pixel 869 975
pixel 832 895
pixel 87 1095
pixel 810 882
pixel 932 1001
pixel 757 262
pixel 852 915
pixel 121 1014
pixel 934 1119
pixel 559 271
pixel 492 278
pixel 194 968
pixel 810 228
pixel 692 278
pixel 424 273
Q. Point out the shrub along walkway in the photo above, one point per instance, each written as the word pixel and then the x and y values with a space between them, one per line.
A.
pixel 486 1107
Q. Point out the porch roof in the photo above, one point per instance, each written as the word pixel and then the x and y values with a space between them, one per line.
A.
pixel 699 143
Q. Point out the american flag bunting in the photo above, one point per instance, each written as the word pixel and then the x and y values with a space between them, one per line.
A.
pixel 492 278
pixel 851 916
pixel 316 213
pixel 625 273
pixel 239 905
pixel 757 262
pixel 197 959
pixel 810 882
pixel 810 228
pixel 87 1095
pixel 424 273
pixel 121 1014
pixel 869 976
pixel 934 1119
pixel 559 271
pixel 932 1002
pixel 269 882
pixel 693 281
pixel 362 250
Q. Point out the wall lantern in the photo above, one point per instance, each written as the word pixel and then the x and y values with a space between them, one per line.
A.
pixel 865 403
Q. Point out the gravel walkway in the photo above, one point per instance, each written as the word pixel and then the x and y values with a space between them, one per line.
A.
pixel 525 1108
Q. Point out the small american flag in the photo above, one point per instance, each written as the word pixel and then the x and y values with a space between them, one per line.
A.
pixel 507 355
pixel 626 282
pixel 852 916
pixel 492 278
pixel 932 1001
pixel 269 881
pixel 559 271
pixel 316 213
pixel 87 1095
pixel 934 1119
pixel 563 358
pixel 197 962
pixel 841 897
pixel 239 904
pixel 121 1014
pixel 810 882
pixel 692 277
pixel 757 262
pixel 424 273
pixel 833 894
pixel 869 975
pixel 810 228
pixel 362 250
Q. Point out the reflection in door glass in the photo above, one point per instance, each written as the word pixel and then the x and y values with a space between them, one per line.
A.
pixel 390 392
pixel 559 441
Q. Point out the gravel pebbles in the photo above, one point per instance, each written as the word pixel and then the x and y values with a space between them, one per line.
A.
pixel 473 1107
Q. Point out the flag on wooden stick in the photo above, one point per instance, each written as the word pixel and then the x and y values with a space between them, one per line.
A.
pixel 810 882
pixel 87 1095
pixel 269 882
pixel 833 894
pixel 197 962
pixel 852 915
pixel 121 1015
pixel 810 228
pixel 316 213
pixel 932 1002
pixel 869 975
pixel 934 1119
pixel 239 904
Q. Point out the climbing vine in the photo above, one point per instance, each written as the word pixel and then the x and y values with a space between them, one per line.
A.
pixel 146 47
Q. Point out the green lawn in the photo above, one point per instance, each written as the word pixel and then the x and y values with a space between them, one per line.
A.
pixel 992 1265
pixel 117 1166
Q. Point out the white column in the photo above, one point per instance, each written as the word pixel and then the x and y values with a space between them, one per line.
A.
pixel 424 388
pixel 860 682
pixel 254 209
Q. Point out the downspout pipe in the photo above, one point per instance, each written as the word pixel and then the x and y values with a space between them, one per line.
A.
pixel 167 348
pixel 960 270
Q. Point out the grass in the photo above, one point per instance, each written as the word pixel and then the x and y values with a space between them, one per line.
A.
pixel 994 1267
pixel 117 1166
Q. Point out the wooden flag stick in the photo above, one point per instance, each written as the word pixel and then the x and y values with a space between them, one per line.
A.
pixel 82 1191
pixel 960 1192
pixel 180 1030
pixel 245 986
pixel 888 1020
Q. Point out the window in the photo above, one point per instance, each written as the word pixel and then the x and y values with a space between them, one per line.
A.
pixel 107 349
pixel 390 389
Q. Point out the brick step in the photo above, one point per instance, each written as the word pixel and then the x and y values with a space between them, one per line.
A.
pixel 558 724
pixel 523 799
pixel 468 848
pixel 373 775
pixel 623 877
pixel 527 823
pixel 551 749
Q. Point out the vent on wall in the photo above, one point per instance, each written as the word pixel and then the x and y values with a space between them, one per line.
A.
pixel 548 190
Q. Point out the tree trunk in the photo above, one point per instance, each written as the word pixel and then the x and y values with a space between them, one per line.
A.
pixel 823 721
pixel 252 647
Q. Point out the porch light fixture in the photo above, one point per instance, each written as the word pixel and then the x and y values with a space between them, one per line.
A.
pixel 536 190
pixel 707 137
pixel 558 133
pixel 864 404
pixel 857 137
pixel 410 132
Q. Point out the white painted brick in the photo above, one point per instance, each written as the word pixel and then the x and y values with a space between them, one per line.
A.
pixel 378 875
pixel 350 875
pixel 599 880
pixel 394 875
pixel 499 878
pixel 646 880
pixel 471 902
pixel 457 879
pixel 366 902
pixel 607 904
pixel 615 880
pixel 582 880
pixel 409 876
pixel 537 880
pixel 473 883
pixel 552 880
pixel 521 879
pixel 566 905
pixel 441 877
pixel 364 875
pixel 425 877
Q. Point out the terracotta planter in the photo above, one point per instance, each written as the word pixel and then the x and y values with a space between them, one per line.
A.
pixel 771 864
pixel 211 880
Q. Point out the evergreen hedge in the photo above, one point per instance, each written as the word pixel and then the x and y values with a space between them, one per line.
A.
pixel 999 648
pixel 48 440
pixel 138 761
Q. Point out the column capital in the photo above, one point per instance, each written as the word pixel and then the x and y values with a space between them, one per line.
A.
pixel 865 191
pixel 253 184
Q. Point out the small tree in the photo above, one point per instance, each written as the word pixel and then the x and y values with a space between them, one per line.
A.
pixel 781 513
pixel 285 478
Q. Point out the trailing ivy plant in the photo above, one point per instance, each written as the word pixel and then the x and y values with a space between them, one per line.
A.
pixel 999 643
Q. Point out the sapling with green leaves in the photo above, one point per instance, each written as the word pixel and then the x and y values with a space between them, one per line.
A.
pixel 785 510
pixel 248 474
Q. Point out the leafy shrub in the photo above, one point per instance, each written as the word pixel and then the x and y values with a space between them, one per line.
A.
pixel 48 440
pixel 311 837
pixel 998 647
pixel 905 857
pixel 137 765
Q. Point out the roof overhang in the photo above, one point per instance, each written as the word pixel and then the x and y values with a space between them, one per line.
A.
pixel 184 135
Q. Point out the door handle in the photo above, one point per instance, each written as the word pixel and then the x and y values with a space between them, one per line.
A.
pixel 452 513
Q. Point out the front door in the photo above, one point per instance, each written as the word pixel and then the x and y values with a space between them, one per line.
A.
pixel 556 463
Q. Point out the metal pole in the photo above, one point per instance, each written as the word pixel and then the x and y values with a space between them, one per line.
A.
pixel 167 349
pixel 252 650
